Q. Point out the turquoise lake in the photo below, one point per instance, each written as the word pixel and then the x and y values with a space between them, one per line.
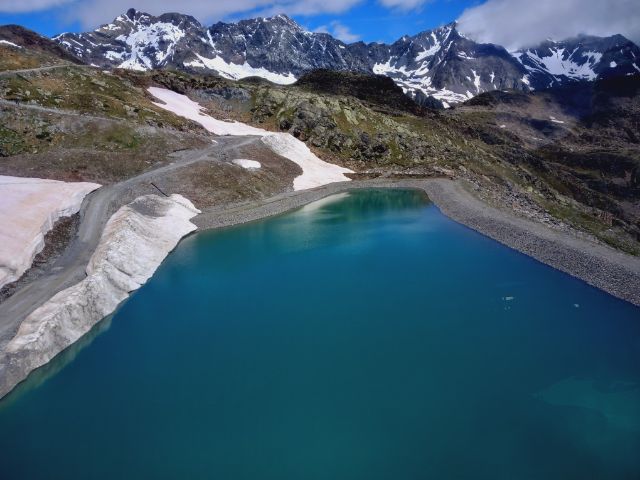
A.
pixel 366 336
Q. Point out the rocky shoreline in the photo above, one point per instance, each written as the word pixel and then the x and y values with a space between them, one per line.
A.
pixel 598 265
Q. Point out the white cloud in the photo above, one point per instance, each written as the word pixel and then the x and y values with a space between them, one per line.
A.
pixel 403 4
pixel 518 23
pixel 307 7
pixel 339 31
pixel 13 6
pixel 342 32
pixel 91 13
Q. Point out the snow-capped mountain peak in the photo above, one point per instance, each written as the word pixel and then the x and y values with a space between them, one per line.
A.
pixel 582 58
pixel 441 62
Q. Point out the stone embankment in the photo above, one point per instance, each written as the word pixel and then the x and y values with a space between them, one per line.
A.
pixel 135 241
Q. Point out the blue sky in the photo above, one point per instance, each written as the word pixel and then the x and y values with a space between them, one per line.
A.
pixel 369 20
pixel 511 23
pixel 373 22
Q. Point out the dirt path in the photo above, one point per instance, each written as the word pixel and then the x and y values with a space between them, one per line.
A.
pixel 6 73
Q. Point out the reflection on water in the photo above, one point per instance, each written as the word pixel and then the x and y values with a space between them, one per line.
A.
pixel 42 374
pixel 618 402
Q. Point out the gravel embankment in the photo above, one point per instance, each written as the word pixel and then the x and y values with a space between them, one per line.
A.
pixel 598 265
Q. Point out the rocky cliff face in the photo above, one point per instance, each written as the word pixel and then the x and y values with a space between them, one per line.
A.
pixel 134 242
pixel 441 63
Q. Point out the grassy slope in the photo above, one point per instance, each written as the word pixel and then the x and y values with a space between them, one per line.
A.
pixel 102 127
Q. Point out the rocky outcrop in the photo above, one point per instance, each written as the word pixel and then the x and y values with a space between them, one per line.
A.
pixel 29 209
pixel 135 241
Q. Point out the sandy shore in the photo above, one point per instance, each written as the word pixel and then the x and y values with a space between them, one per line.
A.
pixel 598 265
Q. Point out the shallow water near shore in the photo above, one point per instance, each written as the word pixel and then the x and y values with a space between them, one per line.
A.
pixel 364 336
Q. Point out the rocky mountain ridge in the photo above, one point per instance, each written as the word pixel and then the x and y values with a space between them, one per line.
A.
pixel 441 63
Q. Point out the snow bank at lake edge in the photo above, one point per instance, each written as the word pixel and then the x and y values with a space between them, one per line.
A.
pixel 135 241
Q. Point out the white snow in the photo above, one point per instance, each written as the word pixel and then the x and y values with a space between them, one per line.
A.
pixel 555 120
pixel 476 80
pixel 613 65
pixel 387 68
pixel 413 80
pixel 29 207
pixel 111 55
pixel 315 172
pixel 430 52
pixel 248 164
pixel 145 36
pixel 11 44
pixel 235 71
pixel 185 107
pixel 465 56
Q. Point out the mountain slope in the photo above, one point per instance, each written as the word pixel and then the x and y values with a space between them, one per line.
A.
pixel 441 63
pixel 23 48
pixel 449 66
pixel 551 63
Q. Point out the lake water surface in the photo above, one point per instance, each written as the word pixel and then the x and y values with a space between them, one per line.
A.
pixel 366 336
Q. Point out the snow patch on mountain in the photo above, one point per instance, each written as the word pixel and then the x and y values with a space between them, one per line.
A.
pixel 185 107
pixel 315 172
pixel 575 65
pixel 150 42
pixel 11 44
pixel 235 71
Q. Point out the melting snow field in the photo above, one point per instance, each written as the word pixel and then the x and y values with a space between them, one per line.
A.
pixel 248 164
pixel 315 172
pixel 28 209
